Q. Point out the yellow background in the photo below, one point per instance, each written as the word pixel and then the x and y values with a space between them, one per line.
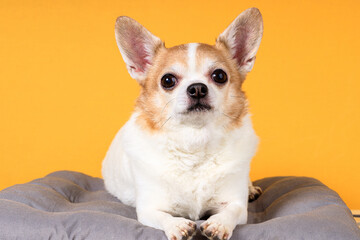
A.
pixel 65 91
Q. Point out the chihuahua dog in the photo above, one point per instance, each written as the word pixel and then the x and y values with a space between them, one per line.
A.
pixel 185 152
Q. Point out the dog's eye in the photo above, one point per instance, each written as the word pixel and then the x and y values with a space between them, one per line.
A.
pixel 168 81
pixel 219 76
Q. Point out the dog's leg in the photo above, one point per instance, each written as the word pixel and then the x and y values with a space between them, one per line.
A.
pixel 221 225
pixel 175 228
pixel 254 191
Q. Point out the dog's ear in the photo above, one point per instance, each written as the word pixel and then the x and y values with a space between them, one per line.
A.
pixel 137 46
pixel 242 38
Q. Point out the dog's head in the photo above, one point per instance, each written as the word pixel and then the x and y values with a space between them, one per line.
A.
pixel 191 84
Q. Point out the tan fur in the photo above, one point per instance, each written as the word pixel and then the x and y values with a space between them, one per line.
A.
pixel 152 115
pixel 235 106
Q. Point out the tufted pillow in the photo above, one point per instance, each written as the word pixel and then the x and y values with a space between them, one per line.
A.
pixel 72 205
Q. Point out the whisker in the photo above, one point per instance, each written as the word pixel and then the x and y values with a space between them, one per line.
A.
pixel 165 121
pixel 166 105
pixel 236 96
pixel 228 116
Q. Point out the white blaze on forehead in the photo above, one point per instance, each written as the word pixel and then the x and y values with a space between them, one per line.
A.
pixel 192 56
pixel 196 66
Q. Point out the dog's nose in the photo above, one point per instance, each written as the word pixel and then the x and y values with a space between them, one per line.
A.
pixel 197 90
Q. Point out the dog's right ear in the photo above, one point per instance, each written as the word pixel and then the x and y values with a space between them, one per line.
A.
pixel 137 46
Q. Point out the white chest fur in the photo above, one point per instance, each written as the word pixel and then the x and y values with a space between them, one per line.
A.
pixel 183 173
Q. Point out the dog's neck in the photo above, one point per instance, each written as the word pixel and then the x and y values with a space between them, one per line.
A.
pixel 193 137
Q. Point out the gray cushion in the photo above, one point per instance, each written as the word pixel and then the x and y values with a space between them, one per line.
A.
pixel 71 205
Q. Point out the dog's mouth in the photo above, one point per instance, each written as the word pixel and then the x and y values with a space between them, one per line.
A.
pixel 199 107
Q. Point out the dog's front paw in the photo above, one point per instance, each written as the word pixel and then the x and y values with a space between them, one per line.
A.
pixel 254 193
pixel 180 229
pixel 215 231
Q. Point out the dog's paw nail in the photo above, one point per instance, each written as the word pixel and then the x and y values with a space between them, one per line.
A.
pixel 181 229
pixel 254 193
pixel 192 224
pixel 209 233
pixel 214 231
pixel 184 233
pixel 203 226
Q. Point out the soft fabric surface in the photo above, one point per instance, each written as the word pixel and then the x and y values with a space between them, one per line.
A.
pixel 71 205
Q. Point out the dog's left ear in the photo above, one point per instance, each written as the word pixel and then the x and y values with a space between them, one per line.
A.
pixel 242 38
